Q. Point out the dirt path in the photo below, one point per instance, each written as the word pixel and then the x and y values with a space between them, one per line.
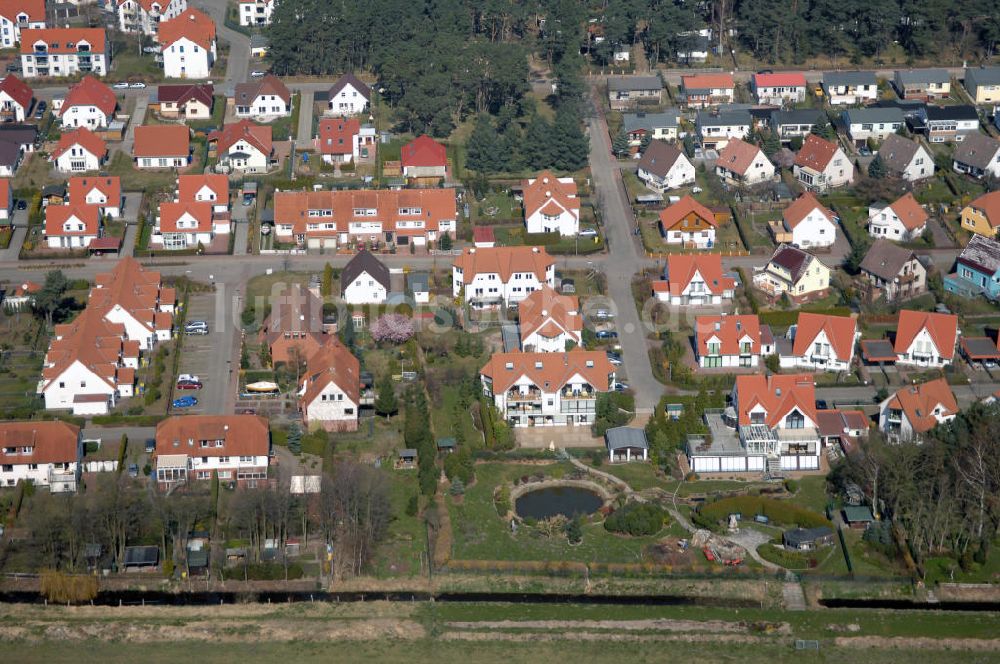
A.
pixel 714 626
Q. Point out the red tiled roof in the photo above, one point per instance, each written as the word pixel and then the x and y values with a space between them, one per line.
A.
pixel 483 234
pixel 780 80
pixel 167 140
pixel 919 402
pixel 672 215
pixel 35 9
pixel 336 135
pixel 546 193
pixel 188 187
pixel 90 92
pixel 57 215
pixel 181 94
pixel 423 151
pixel 738 156
pixel 192 24
pixel 815 153
pixel 50 442
pixel 707 82
pixel 839 331
pixel 5 197
pixel 729 330
pixel 171 212
pixel 259 136
pixel 942 328
pixel 27 288
pixel 777 394
pixel 681 269
pixel 17 90
pixel 909 212
pixel 83 137
pixel 989 204
pixel 549 371
pixel 546 308
pixel 242 435
pixel 62 40
pixel 802 207
pixel 332 363
pixel 504 261
pixel 434 205
pixel 109 185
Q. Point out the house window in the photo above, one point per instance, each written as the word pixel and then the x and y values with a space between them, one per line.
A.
pixel 795 420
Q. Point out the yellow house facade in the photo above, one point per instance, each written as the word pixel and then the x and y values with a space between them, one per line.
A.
pixel 982 216
pixel 794 272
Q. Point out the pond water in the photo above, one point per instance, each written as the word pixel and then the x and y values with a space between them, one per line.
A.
pixel 565 500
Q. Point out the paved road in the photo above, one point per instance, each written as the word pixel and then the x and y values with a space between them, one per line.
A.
pixel 238 64
pixel 13 250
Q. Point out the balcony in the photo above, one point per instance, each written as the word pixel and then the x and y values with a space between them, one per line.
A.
pixel 518 397
pixel 578 395
pixel 894 417
pixel 524 409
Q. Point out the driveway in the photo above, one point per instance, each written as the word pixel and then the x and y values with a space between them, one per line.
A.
pixel 304 139
pixel 238 64
pixel 13 251
pixel 206 356
pixel 133 200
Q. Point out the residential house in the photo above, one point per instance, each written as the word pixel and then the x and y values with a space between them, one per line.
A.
pixel 89 104
pixel 716 129
pixel 10 158
pixel 162 146
pixel 365 280
pixel 144 16
pixel 16 98
pixel 343 140
pixel 551 205
pixel 231 448
pixel 743 164
pixel 104 191
pixel 549 322
pixel 925 339
pixel 6 201
pixel 664 167
pixel 977 156
pixel 423 157
pixel 547 389
pixel 657 126
pixel 185 225
pixel 135 298
pixel 903 220
pixel 977 269
pixel 244 147
pixel 703 90
pixel 263 99
pixel 293 330
pixel 256 13
pixel 15 141
pixel 807 539
pixel 79 151
pixel 949 124
pixel 906 159
pixel 330 219
pixel 16 15
pixel 189 48
pixel 819 342
pixel 188 102
pixel 923 84
pixel 982 215
pixel 810 223
pixel 779 89
pixel 626 444
pixel 893 272
pixel 731 341
pixel 330 394
pixel 916 409
pixel 842 428
pixel 821 165
pixel 501 276
pixel 850 87
pixel 771 427
pixel 22 296
pixel 872 123
pixel 45 454
pixel 694 280
pixel 418 287
pixel 793 272
pixel 629 91
pixel 983 84
pixel 205 188
pixel 64 52
pixel 689 224
pixel 694 46
pixel 71 226
pixel 796 123
pixel 348 96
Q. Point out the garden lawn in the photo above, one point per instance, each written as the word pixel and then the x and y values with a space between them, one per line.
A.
pixel 406 540
pixel 496 207
pixel 812 493
pixel 444 422
pixel 637 475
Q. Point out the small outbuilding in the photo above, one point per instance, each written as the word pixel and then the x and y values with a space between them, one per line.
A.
pixel 807 539
pixel 406 459
pixel 138 558
pixel 626 444
pixel 446 445
pixel 858 516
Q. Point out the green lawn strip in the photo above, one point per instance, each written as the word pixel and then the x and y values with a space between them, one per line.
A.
pixel 400 552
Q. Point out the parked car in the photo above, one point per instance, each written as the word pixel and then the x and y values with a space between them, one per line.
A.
pixel 615 359
pixel 606 334
pixel 620 386
pixel 138 85
pixel 150 445
pixel 120 85
pixel 256 74
pixel 40 109
pixel 151 49
pixel 196 330
pixel 184 402
pixel 196 327
pixel 190 378
pixel 22 204
pixel 189 385
pixel 603 314
pixel 588 232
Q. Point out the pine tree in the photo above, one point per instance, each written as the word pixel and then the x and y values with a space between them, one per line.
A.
pixel 537 139
pixel 647 138
pixel 823 128
pixel 620 145
pixel 346 332
pixel 771 144
pixel 327 286
pixel 877 169
pixel 385 400
pixel 295 439
pixel 569 146
pixel 445 242
pixel 483 147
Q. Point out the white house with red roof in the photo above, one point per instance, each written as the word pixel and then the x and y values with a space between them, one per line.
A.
pixel 44 453
pixel 188 42
pixel 89 104
pixel 79 151
pixel 925 339
pixel 731 341
pixel 342 140
pixel 549 322
pixel 780 88
pixel 501 276
pixel 819 342
pixel 822 165
pixel 204 188
pixel 694 280
pixel 71 226
pixel 903 220
pixel 811 223
pixel 330 393
pixel 423 157
pixel 244 146
pixel 103 191
pixel 145 16
pixel 161 146
pixel 742 163
pixel 916 409
pixel 185 225
pixel 551 205
pixel 18 14
pixel 233 448
pixel 15 99
pixel 64 52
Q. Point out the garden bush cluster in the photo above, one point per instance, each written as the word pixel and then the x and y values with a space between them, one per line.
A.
pixel 779 512
pixel 636 519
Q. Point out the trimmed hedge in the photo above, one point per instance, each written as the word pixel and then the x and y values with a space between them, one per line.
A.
pixel 779 512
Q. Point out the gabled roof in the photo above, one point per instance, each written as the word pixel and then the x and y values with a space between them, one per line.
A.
pixel 336 135
pixel 659 158
pixel 83 137
pixel 171 213
pixel 976 76
pixel 134 289
pixel 681 269
pixel 242 435
pixel 57 215
pixel 549 371
pixel 181 94
pixel 873 115
pixel 909 211
pixel 707 82
pixel 885 259
pixel 918 76
pixel 850 78
pixel 897 152
pixel 35 9
pixel 365 262
pixel 423 151
pixel 839 331
pixel 797 116
pixel 989 204
pixel 17 90
pixel 982 254
pixel 258 136
pixel 546 193
pixel 634 121
pixel 332 363
pixel 189 185
pixel 816 153
pixel 90 92
pixel 794 260
pixel 430 206
pixel 795 213
pixel 62 40
pixel 630 83
pixel 109 185
pixel 194 25
pixel 728 330
pixel 977 150
pixel 353 81
pixel 777 394
pixel 50 442
pixel 838 422
pixel 504 261
pixel 294 309
pixel 780 80
pixel 724 118
pixel 919 401
pixel 546 307
pixel 738 156
pixel 942 328
pixel 672 215
pixel 166 140
pixel 270 84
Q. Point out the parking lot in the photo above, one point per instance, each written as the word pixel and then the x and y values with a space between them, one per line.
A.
pixel 205 356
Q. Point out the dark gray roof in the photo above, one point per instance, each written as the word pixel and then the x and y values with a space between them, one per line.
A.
pixel 419 282
pixel 10 154
pixel 918 76
pixel 659 158
pixel 872 115
pixel 980 348
pixel 54 190
pixel 977 150
pixel 633 121
pixel 911 108
pixel 837 78
pixel 365 261
pixel 22 134
pixel 858 513
pixel 629 83
pixel 617 438
pixel 511 336
pixel 981 76
pixel 809 116
pixel 792 259
pixel 798 536
pixel 897 152
pixel 408 453
pixel 727 118
pixel 958 112
pixel 885 259
pixel 355 82
pixel 982 254
pixel 258 41
pixel 141 556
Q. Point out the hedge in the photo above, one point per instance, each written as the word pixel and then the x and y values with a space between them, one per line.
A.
pixel 790 317
pixel 779 512
pixel 636 519
pixel 788 559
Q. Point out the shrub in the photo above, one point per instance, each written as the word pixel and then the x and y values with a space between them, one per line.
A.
pixel 413 505
pixel 778 511
pixel 66 588
pixel 791 486
pixel 636 519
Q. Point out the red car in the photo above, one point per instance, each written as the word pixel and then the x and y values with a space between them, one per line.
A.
pixel 189 385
